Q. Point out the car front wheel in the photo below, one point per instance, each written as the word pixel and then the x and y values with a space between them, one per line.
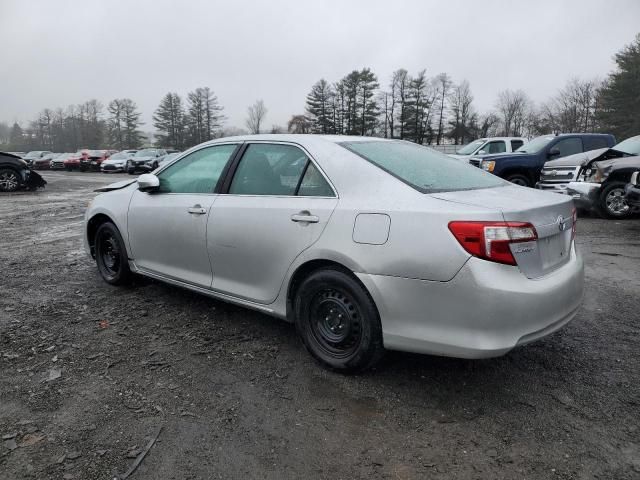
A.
pixel 338 321
pixel 612 201
pixel 519 179
pixel 9 180
pixel 111 255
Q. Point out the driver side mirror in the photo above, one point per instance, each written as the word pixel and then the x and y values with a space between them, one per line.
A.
pixel 481 152
pixel 554 152
pixel 148 182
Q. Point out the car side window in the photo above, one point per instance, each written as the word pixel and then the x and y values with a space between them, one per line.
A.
pixel 314 184
pixel 593 143
pixel 269 169
pixel 516 144
pixel 198 172
pixel 569 146
pixel 495 147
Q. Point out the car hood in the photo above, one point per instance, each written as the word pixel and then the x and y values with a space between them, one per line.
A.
pixel 116 186
pixel 619 163
pixel 578 159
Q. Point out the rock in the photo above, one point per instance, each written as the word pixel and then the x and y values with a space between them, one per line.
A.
pixel 50 349
pixel 73 455
pixel 10 444
pixel 54 374
pixel 492 452
pixel 9 436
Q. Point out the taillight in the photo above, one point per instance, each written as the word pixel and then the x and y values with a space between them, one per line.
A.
pixel 574 217
pixel 491 240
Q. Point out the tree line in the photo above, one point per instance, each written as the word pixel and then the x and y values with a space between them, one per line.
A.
pixel 409 106
pixel 433 110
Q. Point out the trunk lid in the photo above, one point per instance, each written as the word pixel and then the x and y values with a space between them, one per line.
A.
pixel 551 215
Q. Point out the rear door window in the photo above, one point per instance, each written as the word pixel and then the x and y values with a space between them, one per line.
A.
pixel 516 144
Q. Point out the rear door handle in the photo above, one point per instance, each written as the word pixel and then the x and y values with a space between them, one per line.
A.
pixel 304 217
pixel 197 210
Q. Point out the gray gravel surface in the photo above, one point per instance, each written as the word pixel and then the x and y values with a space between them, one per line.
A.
pixel 89 373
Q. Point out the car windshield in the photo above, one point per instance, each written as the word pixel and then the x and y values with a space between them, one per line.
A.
pixel 96 153
pixel 469 148
pixel 425 169
pixel 120 156
pixel 630 146
pixel 535 145
pixel 145 153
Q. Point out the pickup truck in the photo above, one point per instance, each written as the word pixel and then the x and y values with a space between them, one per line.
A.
pixel 523 167
pixel 487 146
pixel 556 174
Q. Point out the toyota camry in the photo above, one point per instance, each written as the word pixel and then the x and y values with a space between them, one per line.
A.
pixel 364 244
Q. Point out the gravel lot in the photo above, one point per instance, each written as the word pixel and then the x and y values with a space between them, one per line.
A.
pixel 90 373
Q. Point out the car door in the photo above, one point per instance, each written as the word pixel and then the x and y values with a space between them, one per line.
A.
pixel 275 204
pixel 167 228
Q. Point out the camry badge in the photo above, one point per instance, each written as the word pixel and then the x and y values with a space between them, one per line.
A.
pixel 562 223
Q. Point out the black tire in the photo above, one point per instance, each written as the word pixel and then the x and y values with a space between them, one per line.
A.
pixel 10 180
pixel 111 255
pixel 338 321
pixel 519 179
pixel 612 203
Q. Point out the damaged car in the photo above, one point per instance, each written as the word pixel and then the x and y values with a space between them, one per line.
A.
pixel 365 244
pixel 601 186
pixel 15 174
pixel 557 174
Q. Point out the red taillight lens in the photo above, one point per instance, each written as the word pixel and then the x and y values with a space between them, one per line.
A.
pixel 491 240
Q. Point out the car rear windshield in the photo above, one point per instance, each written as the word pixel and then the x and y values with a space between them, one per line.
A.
pixel 425 169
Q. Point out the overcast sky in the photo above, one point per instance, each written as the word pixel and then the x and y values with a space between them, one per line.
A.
pixel 56 53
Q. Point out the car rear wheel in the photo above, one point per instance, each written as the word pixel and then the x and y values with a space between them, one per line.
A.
pixel 612 201
pixel 9 180
pixel 338 321
pixel 519 179
pixel 111 255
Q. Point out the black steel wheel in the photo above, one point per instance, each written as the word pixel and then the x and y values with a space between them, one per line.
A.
pixel 338 321
pixel 111 255
pixel 10 180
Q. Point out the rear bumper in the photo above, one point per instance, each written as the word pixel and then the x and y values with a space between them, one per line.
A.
pixel 486 310
pixel 584 194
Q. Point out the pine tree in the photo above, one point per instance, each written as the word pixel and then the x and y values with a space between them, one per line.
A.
pixel 319 107
pixel 367 106
pixel 619 109
pixel 169 120
pixel 205 116
pixel 16 137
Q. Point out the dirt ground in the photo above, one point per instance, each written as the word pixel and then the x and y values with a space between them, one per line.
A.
pixel 90 373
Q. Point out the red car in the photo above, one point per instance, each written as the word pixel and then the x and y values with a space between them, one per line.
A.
pixel 92 159
pixel 66 161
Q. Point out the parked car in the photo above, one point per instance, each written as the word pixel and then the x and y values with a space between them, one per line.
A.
pixel 117 162
pixel 523 167
pixel 57 163
pixel 556 174
pixel 34 155
pixel 149 166
pixel 92 159
pixel 18 154
pixel 601 186
pixel 632 191
pixel 366 244
pixel 72 162
pixel 44 162
pixel 145 160
pixel 486 146
pixel 15 174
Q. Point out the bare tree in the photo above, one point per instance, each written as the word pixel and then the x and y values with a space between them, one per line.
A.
pixel 573 109
pixel 256 114
pixel 514 108
pixel 443 82
pixel 299 124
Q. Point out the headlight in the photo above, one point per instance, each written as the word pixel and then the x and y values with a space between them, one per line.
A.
pixel 487 165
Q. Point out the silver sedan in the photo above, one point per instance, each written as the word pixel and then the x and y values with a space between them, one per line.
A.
pixel 365 244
